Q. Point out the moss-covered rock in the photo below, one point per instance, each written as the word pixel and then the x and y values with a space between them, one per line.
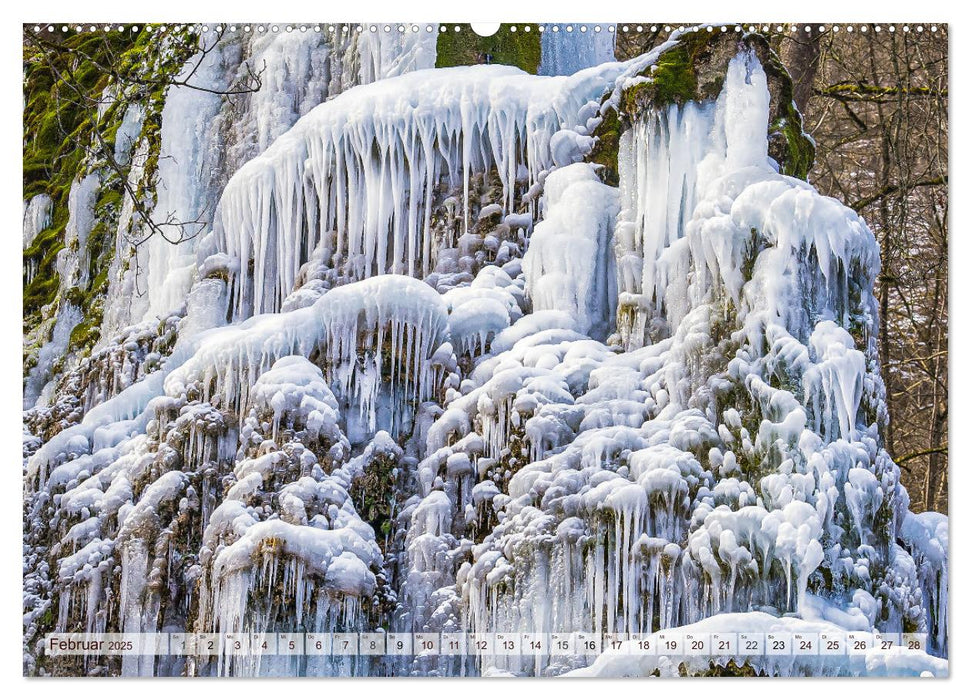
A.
pixel 373 494
pixel 606 147
pixel 70 132
pixel 520 48
pixel 694 70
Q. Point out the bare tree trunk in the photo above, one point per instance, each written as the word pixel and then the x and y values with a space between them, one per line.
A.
pixel 885 224
pixel 802 59
pixel 935 466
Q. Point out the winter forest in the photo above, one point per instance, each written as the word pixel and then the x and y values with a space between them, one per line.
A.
pixel 625 332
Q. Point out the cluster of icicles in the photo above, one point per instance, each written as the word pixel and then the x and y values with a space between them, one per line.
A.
pixel 144 506
pixel 369 164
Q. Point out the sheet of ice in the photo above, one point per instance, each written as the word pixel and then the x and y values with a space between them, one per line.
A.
pixel 386 53
pixel 37 217
pixel 568 48
pixel 188 155
pixel 128 133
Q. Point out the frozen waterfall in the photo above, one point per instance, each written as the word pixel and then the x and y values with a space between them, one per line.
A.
pixel 418 368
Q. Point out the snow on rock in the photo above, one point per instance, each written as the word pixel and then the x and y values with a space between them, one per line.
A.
pixel 569 265
pixel 294 389
pixel 483 310
pixel 626 662
pixel 375 335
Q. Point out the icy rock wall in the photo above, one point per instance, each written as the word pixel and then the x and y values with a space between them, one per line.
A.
pixel 497 452
pixel 367 165
pixel 244 92
pixel 386 54
pixel 72 266
pixel 736 464
pixel 169 483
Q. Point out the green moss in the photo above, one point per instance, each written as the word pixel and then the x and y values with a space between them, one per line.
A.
pixel 373 494
pixel 788 144
pixel 64 139
pixel 800 151
pixel 41 292
pixel 694 70
pixel 58 123
pixel 60 84
pixel 86 333
pixel 607 146
pixel 466 48
pixel 675 79
pixel 41 257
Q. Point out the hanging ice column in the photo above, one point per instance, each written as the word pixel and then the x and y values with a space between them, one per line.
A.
pixel 658 162
pixel 569 264
pixel 187 158
pixel 370 166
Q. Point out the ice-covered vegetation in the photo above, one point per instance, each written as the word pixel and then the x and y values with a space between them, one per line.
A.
pixel 427 371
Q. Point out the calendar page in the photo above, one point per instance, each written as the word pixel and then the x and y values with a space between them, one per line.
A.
pixel 535 350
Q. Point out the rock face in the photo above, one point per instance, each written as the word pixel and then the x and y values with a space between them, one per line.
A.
pixel 476 350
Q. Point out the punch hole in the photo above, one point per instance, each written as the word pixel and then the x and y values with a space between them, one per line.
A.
pixel 485 28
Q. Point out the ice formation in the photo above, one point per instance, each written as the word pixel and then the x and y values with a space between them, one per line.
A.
pixel 432 374
pixel 733 457
pixel 205 137
pixel 576 230
pixel 366 166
